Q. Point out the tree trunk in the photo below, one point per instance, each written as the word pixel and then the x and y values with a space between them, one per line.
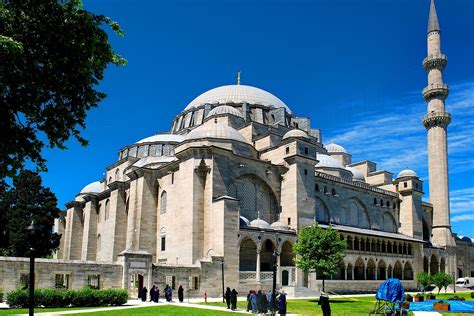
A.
pixel 323 284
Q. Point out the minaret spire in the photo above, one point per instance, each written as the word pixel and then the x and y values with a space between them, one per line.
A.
pixel 433 24
pixel 436 122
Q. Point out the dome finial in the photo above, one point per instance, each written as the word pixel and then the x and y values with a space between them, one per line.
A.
pixel 238 78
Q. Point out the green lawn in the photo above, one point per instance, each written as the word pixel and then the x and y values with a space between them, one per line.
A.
pixel 15 311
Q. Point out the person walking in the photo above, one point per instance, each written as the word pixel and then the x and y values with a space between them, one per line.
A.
pixel 282 303
pixel 259 302
pixel 253 301
pixel 264 303
pixel 168 293
pixel 181 294
pixel 157 297
pixel 152 293
pixel 144 293
pixel 249 304
pixel 233 299
pixel 227 297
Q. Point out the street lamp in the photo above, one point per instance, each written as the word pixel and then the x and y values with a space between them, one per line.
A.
pixel 32 229
pixel 222 269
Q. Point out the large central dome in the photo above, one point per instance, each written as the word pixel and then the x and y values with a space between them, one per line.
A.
pixel 238 94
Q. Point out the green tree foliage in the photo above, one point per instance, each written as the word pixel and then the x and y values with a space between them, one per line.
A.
pixel 424 279
pixel 441 280
pixel 53 55
pixel 319 250
pixel 25 202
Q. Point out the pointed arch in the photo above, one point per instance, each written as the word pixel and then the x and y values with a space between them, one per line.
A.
pixel 359 269
pixel 407 271
pixel 388 222
pixel 426 264
pixel 381 270
pixel 355 213
pixel 434 267
pixel 398 270
pixel 442 265
pixel 322 212
pixel 370 269
pixel 287 256
pixel 247 255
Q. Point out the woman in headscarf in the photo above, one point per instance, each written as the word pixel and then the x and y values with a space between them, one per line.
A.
pixel 233 299
pixel 181 294
pixel 227 297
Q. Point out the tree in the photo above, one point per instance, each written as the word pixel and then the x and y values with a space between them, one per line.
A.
pixel 319 250
pixel 25 202
pixel 53 55
pixel 424 279
pixel 441 280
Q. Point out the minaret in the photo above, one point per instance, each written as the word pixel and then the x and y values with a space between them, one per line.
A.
pixel 436 122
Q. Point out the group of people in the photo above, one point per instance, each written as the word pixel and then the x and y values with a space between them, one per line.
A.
pixel 155 294
pixel 261 303
pixel 231 298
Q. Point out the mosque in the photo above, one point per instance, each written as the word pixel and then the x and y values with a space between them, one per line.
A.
pixel 224 193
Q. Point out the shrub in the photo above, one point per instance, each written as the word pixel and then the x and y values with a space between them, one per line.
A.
pixel 472 294
pixel 60 298
pixel 442 279
pixel 419 295
pixel 424 279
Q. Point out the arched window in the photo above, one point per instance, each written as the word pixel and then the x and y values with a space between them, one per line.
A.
pixel 107 210
pixel 163 202
pixel 162 239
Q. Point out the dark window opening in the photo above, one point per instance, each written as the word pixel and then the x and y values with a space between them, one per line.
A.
pixel 163 243
pixel 306 150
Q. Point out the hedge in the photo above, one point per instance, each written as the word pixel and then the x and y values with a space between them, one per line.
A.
pixel 68 298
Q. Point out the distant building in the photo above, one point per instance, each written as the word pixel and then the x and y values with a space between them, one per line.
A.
pixel 235 179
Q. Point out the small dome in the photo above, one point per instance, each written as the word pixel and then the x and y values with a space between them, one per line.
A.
pixel 407 173
pixel 162 138
pixel 224 109
pixel 279 226
pixel 244 221
pixel 260 223
pixel 335 148
pixel 295 133
pixel 237 94
pixel 94 187
pixel 357 175
pixel 328 162
pixel 216 130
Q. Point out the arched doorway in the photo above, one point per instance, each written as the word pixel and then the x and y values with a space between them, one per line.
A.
pixel 266 256
pixel 425 264
pixel 136 284
pixel 442 265
pixel 371 270
pixel 434 267
pixel 408 271
pixel 248 255
pixel 381 270
pixel 349 271
pixel 285 278
pixel 287 263
pixel 359 270
pixel 397 270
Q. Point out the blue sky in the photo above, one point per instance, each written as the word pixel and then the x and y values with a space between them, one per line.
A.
pixel 353 67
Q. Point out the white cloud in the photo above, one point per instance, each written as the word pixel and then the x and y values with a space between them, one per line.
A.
pixel 465 217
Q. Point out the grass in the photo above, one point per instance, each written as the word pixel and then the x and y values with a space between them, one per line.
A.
pixel 163 310
pixel 15 311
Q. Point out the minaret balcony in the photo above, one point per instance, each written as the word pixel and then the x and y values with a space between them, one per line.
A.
pixel 434 90
pixel 433 119
pixel 436 61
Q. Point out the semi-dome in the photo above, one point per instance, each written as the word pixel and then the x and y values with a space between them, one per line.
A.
pixel 335 148
pixel 216 130
pixel 295 133
pixel 279 226
pixel 407 173
pixel 224 109
pixel 357 175
pixel 162 138
pixel 328 161
pixel 244 221
pixel 260 223
pixel 94 187
pixel 237 94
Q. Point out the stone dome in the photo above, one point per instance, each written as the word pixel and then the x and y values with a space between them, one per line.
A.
pixel 158 138
pixel 237 94
pixel 279 226
pixel 357 175
pixel 407 173
pixel 260 223
pixel 224 109
pixel 335 148
pixel 325 161
pixel 94 187
pixel 295 133
pixel 216 130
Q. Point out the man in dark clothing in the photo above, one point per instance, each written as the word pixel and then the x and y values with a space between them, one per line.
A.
pixel 144 293
pixel 233 299
pixel 324 302
pixel 181 294
pixel 282 303
pixel 152 293
pixel 227 297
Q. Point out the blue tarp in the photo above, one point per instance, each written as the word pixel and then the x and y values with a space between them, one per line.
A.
pixel 456 306
pixel 391 291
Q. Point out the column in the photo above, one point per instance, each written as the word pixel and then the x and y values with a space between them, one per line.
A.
pixel 345 273
pixel 353 270
pixel 257 277
pixel 278 270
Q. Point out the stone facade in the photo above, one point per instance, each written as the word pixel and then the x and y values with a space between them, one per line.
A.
pixel 223 195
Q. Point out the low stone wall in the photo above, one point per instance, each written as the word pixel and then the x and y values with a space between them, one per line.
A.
pixel 12 269
pixel 352 286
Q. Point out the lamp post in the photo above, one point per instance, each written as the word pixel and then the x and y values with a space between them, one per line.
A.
pixel 222 270
pixel 454 281
pixel 31 286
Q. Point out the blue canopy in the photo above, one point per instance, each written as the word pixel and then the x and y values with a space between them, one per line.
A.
pixel 391 291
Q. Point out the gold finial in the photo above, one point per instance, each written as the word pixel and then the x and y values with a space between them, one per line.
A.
pixel 238 78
